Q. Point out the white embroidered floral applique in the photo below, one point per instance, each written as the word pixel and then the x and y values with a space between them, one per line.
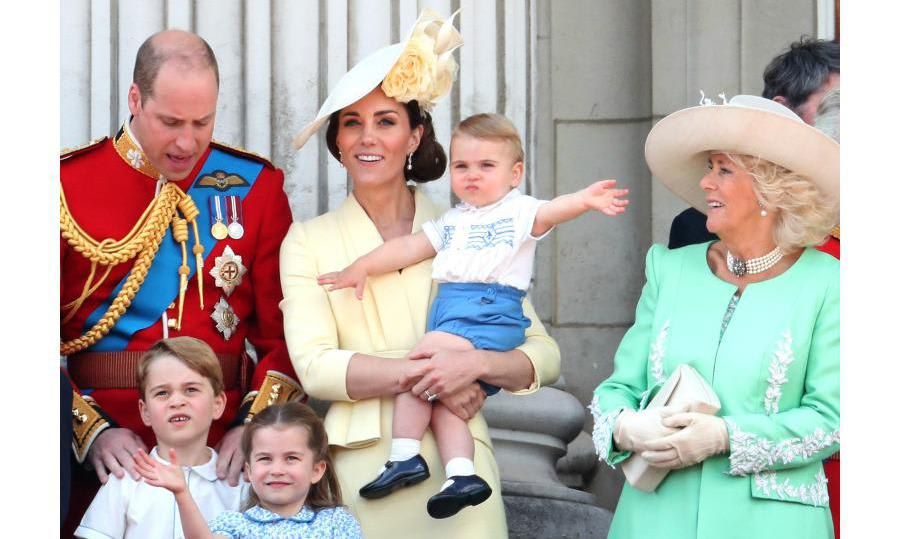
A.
pixel 657 354
pixel 135 158
pixel 603 423
pixel 777 372
pixel 752 454
pixel 812 494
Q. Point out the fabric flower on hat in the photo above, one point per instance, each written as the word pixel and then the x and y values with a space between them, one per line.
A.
pixel 426 69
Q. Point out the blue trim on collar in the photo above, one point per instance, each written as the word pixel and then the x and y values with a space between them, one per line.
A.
pixel 264 516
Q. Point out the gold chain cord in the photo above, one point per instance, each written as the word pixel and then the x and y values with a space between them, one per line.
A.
pixel 142 241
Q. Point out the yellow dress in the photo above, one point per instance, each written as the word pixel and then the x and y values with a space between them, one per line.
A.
pixel 324 329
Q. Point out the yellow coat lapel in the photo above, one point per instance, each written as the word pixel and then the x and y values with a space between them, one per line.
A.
pixel 395 304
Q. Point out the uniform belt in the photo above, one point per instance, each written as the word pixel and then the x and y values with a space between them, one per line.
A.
pixel 118 370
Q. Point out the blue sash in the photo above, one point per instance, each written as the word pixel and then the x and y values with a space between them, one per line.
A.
pixel 160 287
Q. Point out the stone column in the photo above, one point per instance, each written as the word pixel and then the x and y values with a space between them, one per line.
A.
pixel 530 434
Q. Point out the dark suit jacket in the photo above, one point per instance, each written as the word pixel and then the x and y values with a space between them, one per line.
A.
pixel 688 228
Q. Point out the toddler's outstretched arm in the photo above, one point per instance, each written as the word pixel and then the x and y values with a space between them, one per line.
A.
pixel 394 254
pixel 171 477
pixel 599 196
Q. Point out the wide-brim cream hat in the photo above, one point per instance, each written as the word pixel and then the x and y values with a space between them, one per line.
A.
pixel 678 147
pixel 420 68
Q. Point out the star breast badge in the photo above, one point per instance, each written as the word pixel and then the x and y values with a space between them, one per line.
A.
pixel 228 271
pixel 225 319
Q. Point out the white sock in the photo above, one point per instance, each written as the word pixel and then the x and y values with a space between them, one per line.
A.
pixel 457 466
pixel 404 449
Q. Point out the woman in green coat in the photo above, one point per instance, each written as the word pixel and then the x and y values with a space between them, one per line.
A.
pixel 756 314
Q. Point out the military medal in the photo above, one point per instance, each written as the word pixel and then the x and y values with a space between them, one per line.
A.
pixel 219 230
pixel 235 229
pixel 225 319
pixel 228 271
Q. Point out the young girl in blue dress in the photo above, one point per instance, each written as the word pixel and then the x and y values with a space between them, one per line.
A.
pixel 294 487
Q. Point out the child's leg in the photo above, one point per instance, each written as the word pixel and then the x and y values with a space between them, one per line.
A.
pixel 452 435
pixel 411 416
pixel 462 487
pixel 405 465
pixel 441 340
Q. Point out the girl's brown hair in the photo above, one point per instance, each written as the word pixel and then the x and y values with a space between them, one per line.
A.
pixel 325 493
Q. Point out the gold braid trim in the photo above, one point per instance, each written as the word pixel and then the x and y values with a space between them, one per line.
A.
pixel 277 388
pixel 87 423
pixel 142 241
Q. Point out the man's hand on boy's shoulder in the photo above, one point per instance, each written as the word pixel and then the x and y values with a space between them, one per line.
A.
pixel 111 453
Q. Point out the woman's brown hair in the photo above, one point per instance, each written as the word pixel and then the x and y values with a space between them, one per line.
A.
pixel 325 493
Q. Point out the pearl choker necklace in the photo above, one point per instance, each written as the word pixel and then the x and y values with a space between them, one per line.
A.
pixel 753 265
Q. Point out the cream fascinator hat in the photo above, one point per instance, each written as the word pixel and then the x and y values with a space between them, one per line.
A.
pixel 678 147
pixel 420 68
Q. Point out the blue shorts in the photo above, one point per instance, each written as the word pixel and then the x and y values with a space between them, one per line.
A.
pixel 488 315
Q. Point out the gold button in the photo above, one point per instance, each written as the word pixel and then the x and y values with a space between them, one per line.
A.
pixel 173 323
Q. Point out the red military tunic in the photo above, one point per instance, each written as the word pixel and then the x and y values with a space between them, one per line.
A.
pixel 106 194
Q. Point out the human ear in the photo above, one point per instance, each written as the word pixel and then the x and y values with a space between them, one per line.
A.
pixel 218 405
pixel 134 103
pixel 782 100
pixel 517 173
pixel 318 470
pixel 144 412
pixel 415 139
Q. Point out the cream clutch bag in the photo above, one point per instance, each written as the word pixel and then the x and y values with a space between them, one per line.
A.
pixel 684 386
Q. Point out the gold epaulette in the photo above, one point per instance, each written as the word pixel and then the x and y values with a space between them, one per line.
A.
pixel 87 423
pixel 66 153
pixel 243 152
pixel 277 388
pixel 835 232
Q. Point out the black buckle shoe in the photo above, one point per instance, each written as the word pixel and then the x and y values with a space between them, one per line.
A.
pixel 466 490
pixel 396 475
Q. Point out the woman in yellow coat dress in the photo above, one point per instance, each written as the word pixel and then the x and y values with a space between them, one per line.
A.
pixel 353 352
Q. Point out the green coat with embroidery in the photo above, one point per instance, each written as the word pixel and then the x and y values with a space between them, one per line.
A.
pixel 776 370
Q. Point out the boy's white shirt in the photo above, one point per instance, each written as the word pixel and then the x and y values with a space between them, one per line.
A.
pixel 125 508
pixel 487 244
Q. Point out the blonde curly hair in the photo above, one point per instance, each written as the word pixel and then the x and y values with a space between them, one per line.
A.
pixel 805 215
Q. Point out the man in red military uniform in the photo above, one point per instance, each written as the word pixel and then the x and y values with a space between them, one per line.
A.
pixel 165 233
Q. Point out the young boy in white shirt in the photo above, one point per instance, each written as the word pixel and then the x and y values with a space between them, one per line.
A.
pixel 484 251
pixel 182 393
